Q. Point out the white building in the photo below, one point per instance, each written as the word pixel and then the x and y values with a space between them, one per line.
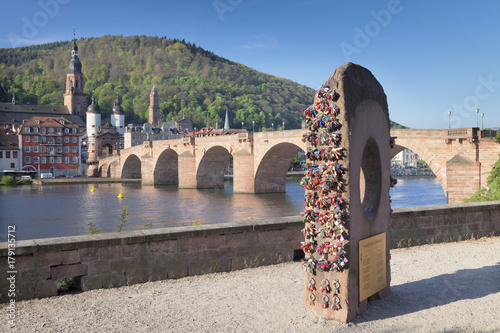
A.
pixel 405 159
pixel 9 152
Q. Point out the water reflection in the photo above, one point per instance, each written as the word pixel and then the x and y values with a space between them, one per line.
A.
pixel 66 210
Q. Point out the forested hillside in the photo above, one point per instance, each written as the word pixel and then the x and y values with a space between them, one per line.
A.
pixel 191 81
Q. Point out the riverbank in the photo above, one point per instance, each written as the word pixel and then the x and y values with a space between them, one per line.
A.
pixel 83 180
pixel 432 291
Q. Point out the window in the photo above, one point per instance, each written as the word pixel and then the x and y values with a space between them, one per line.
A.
pixel 75 159
pixel 1 154
pixel 37 121
pixel 59 139
pixel 66 139
pixel 62 122
pixel 14 154
pixel 59 130
pixel 44 160
pixel 75 130
pixel 74 139
pixel 44 130
pixel 36 159
pixel 51 141
pixel 43 149
pixel 66 159
pixel 27 138
pixel 27 149
pixel 59 149
pixel 35 149
pixel 35 129
pixel 51 160
pixel 13 165
pixel 7 154
pixel 35 139
pixel 66 149
pixel 51 129
pixel 59 160
pixel 51 149
pixel 26 129
pixel 44 139
pixel 74 149
pixel 66 130
pixel 27 159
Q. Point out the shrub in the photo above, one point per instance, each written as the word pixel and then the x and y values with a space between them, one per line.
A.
pixel 8 180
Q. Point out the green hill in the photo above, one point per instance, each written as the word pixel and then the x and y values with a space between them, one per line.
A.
pixel 191 81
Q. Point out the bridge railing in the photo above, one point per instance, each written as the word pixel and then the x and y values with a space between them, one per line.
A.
pixel 488 133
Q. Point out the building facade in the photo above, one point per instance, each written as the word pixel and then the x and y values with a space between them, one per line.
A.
pixel 50 145
pixel 9 151
pixel 405 159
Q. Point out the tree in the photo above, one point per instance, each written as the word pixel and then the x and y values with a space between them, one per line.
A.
pixel 492 190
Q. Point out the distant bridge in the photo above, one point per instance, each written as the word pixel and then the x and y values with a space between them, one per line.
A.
pixel 460 159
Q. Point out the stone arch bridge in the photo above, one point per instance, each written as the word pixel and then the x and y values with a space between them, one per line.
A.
pixel 460 158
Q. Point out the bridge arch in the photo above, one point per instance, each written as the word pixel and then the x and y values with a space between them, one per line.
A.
pixel 438 170
pixel 166 170
pixel 131 167
pixel 270 175
pixel 210 171
pixel 103 170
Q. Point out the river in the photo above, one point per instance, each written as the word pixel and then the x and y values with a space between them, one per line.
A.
pixel 66 210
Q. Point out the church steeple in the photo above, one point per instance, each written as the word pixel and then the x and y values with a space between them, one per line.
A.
pixel 226 122
pixel 74 66
pixel 74 98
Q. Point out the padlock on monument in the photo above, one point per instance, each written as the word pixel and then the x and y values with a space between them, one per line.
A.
pixel 349 209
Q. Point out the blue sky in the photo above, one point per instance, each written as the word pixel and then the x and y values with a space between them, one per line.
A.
pixel 431 57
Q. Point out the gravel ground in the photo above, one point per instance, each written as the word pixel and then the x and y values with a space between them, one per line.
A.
pixel 451 287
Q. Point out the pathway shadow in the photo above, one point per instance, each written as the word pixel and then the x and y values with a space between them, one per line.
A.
pixel 433 292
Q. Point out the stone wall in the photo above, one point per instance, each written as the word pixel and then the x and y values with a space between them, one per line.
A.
pixel 445 223
pixel 118 259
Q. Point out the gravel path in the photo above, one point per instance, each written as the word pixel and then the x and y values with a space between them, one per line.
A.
pixel 451 287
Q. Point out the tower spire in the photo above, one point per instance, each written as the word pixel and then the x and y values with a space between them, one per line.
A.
pixel 74 97
pixel 226 122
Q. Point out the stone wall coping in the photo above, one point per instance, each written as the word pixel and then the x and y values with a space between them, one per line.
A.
pixel 446 209
pixel 45 245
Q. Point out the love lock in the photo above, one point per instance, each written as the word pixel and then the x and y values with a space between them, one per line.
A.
pixel 325 300
pixel 336 303
pixel 311 285
pixel 312 298
pixel 325 286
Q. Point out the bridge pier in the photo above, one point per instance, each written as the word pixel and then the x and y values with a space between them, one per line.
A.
pixel 187 170
pixel 243 172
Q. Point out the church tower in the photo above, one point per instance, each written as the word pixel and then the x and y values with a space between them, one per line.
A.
pixel 74 98
pixel 154 107
pixel 118 121
pixel 93 124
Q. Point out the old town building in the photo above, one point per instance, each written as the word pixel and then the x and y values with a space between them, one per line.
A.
pixel 50 145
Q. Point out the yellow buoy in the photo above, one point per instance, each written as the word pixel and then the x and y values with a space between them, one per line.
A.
pixel 92 189
pixel 120 195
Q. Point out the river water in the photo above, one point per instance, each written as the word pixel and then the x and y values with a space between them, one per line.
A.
pixel 66 210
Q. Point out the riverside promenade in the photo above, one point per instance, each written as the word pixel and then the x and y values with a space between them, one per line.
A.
pixel 447 287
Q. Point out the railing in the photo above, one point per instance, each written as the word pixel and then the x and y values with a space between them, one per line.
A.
pixel 488 134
